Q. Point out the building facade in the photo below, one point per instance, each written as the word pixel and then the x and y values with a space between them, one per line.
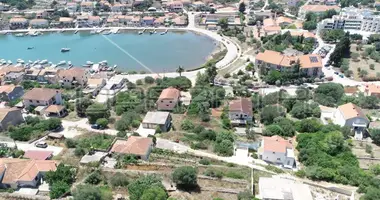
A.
pixel 352 18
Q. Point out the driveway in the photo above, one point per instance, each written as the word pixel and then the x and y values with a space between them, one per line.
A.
pixel 169 145
pixel 30 146
pixel 83 124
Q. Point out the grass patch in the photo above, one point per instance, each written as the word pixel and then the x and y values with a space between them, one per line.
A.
pixel 96 141
pixel 274 169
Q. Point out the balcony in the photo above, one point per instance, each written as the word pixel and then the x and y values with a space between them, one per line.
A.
pixel 359 124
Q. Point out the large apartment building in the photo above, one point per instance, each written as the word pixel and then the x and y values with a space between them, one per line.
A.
pixel 311 64
pixel 352 18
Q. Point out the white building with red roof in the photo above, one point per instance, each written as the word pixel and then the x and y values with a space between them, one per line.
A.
pixel 277 150
pixel 138 146
pixel 240 111
pixel 168 99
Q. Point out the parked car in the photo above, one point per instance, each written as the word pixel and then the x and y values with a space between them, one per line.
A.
pixel 41 144
pixel 97 126
pixel 341 76
pixel 337 73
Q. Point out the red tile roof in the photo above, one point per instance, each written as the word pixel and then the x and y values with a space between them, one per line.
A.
pixel 24 169
pixel 242 105
pixel 134 145
pixel 38 155
pixel 170 93
pixel 41 94
pixel 276 144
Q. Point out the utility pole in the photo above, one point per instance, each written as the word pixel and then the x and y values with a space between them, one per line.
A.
pixel 252 182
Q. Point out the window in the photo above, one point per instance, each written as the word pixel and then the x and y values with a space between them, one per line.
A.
pixel 170 101
pixel 167 105
pixel 278 159
pixel 274 152
pixel 38 101
pixel 30 101
pixel 162 101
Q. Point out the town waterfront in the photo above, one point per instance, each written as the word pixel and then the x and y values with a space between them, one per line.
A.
pixel 160 53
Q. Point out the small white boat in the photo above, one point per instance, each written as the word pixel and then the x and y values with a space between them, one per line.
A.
pixel 38 66
pixel 76 31
pixel 107 33
pixel 20 61
pixel 19 35
pixel 53 66
pixel 99 31
pixel 163 33
pixel 93 32
pixel 104 62
pixel 63 62
pixel 115 66
pixel 34 34
pixel 43 62
pixel 69 63
pixel 89 63
pixel 30 61
pixel 63 50
pixel 9 62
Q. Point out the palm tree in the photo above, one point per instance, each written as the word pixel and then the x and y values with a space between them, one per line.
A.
pixel 180 70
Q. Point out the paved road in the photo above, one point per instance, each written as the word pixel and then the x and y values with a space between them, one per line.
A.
pixel 31 146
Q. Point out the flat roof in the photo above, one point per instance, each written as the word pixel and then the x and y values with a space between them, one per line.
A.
pixel 158 117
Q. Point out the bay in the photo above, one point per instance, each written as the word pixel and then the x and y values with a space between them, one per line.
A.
pixel 130 51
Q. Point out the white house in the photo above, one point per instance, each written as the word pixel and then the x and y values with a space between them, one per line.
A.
pixel 240 111
pixel 277 150
pixel 39 23
pixel 94 85
pixel 352 116
pixel 138 146
pixel 94 20
pixel 161 119
pixel 72 7
pixel 4 7
pixel 16 173
pixel 42 97
pixel 175 6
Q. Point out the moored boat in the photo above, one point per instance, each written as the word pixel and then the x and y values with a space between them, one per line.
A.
pixel 63 50
pixel 43 62
pixel 63 62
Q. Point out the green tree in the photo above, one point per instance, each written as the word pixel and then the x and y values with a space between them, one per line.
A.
pixel 136 188
pixel 154 193
pixel 119 180
pixel 185 177
pixel 87 192
pixel 245 195
pixel 310 125
pixel 269 113
pixel 103 122
pixel 63 173
pixel 97 111
pixel 223 23
pixel 328 94
pixel 149 80
pixel 242 7
pixel 375 135
pixel 272 77
pixel 187 125
pixel 179 70
pixel 94 178
pixel 58 189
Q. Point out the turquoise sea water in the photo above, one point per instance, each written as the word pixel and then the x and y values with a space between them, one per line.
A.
pixel 161 53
